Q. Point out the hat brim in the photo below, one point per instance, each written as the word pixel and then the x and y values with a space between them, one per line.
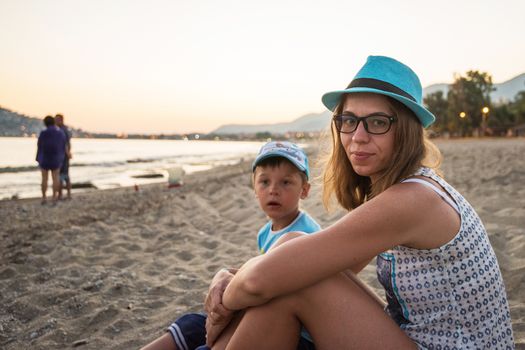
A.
pixel 294 161
pixel 331 100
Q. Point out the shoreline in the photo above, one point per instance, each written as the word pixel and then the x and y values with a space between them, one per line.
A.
pixel 310 144
pixel 115 163
pixel 187 178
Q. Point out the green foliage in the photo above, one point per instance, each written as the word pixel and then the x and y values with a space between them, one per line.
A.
pixel 263 135
pixel 438 105
pixel 467 96
pixel 517 108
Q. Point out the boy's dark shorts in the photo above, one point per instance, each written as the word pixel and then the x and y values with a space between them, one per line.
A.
pixel 189 332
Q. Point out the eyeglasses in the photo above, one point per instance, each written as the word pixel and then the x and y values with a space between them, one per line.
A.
pixel 375 124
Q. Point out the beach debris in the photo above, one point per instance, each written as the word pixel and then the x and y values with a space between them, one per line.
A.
pixel 139 160
pixel 136 188
pixel 49 325
pixel 80 342
pixel 175 176
pixel 94 287
pixel 82 185
pixel 148 176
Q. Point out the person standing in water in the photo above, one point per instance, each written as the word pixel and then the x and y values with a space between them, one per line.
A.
pixel 64 170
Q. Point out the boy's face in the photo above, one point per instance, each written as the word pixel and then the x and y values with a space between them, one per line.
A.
pixel 278 190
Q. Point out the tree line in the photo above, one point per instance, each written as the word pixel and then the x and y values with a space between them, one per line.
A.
pixel 467 109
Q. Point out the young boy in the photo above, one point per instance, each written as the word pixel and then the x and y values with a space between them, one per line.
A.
pixel 280 180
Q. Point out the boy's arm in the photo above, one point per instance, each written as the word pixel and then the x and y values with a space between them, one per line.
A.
pixel 217 286
pixel 218 316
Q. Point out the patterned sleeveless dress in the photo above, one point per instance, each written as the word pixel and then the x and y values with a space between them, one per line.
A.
pixel 451 297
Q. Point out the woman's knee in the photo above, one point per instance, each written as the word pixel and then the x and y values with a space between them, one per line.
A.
pixel 294 302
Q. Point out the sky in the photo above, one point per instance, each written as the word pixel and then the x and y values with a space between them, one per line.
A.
pixel 173 66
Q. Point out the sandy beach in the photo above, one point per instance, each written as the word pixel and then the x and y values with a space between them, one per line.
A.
pixel 111 269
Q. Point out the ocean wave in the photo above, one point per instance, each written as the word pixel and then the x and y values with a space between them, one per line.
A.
pixel 18 169
pixel 28 168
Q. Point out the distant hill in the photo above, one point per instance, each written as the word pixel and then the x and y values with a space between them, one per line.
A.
pixel 508 90
pixel 504 92
pixel 15 124
pixel 312 122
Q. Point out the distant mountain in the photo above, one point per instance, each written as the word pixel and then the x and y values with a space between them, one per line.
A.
pixel 312 122
pixel 504 92
pixel 508 90
pixel 15 124
pixel 435 88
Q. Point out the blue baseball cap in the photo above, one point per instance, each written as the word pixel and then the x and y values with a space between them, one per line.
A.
pixel 284 149
pixel 386 76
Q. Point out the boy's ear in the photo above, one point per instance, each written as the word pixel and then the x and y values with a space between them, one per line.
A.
pixel 305 190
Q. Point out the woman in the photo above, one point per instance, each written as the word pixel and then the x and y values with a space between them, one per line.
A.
pixel 442 282
pixel 50 153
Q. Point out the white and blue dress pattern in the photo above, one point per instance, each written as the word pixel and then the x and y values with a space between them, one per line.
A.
pixel 451 297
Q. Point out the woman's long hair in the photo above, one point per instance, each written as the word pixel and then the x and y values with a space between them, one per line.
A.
pixel 412 149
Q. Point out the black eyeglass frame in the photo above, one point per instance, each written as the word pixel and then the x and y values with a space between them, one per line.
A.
pixel 391 118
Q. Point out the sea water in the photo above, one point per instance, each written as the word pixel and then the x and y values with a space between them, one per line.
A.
pixel 111 163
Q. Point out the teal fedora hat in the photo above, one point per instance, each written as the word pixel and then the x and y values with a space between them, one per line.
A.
pixel 386 76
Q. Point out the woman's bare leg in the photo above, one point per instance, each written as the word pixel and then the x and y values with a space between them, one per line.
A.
pixel 55 174
pixel 43 185
pixel 279 328
pixel 337 313
pixel 228 332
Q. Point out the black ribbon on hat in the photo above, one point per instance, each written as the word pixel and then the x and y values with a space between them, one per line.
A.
pixel 379 85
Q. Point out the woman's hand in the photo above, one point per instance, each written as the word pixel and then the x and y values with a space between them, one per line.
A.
pixel 218 316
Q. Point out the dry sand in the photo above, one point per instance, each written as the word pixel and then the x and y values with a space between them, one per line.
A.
pixel 111 269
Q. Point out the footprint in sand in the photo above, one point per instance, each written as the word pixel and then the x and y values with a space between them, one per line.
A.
pixel 122 264
pixel 104 316
pixel 185 255
pixel 210 244
pixel 7 273
pixel 41 249
pixel 117 327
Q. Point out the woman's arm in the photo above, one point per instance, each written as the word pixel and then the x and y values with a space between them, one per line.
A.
pixel 393 218
pixel 38 143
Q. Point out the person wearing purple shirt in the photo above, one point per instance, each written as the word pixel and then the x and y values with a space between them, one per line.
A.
pixel 50 155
